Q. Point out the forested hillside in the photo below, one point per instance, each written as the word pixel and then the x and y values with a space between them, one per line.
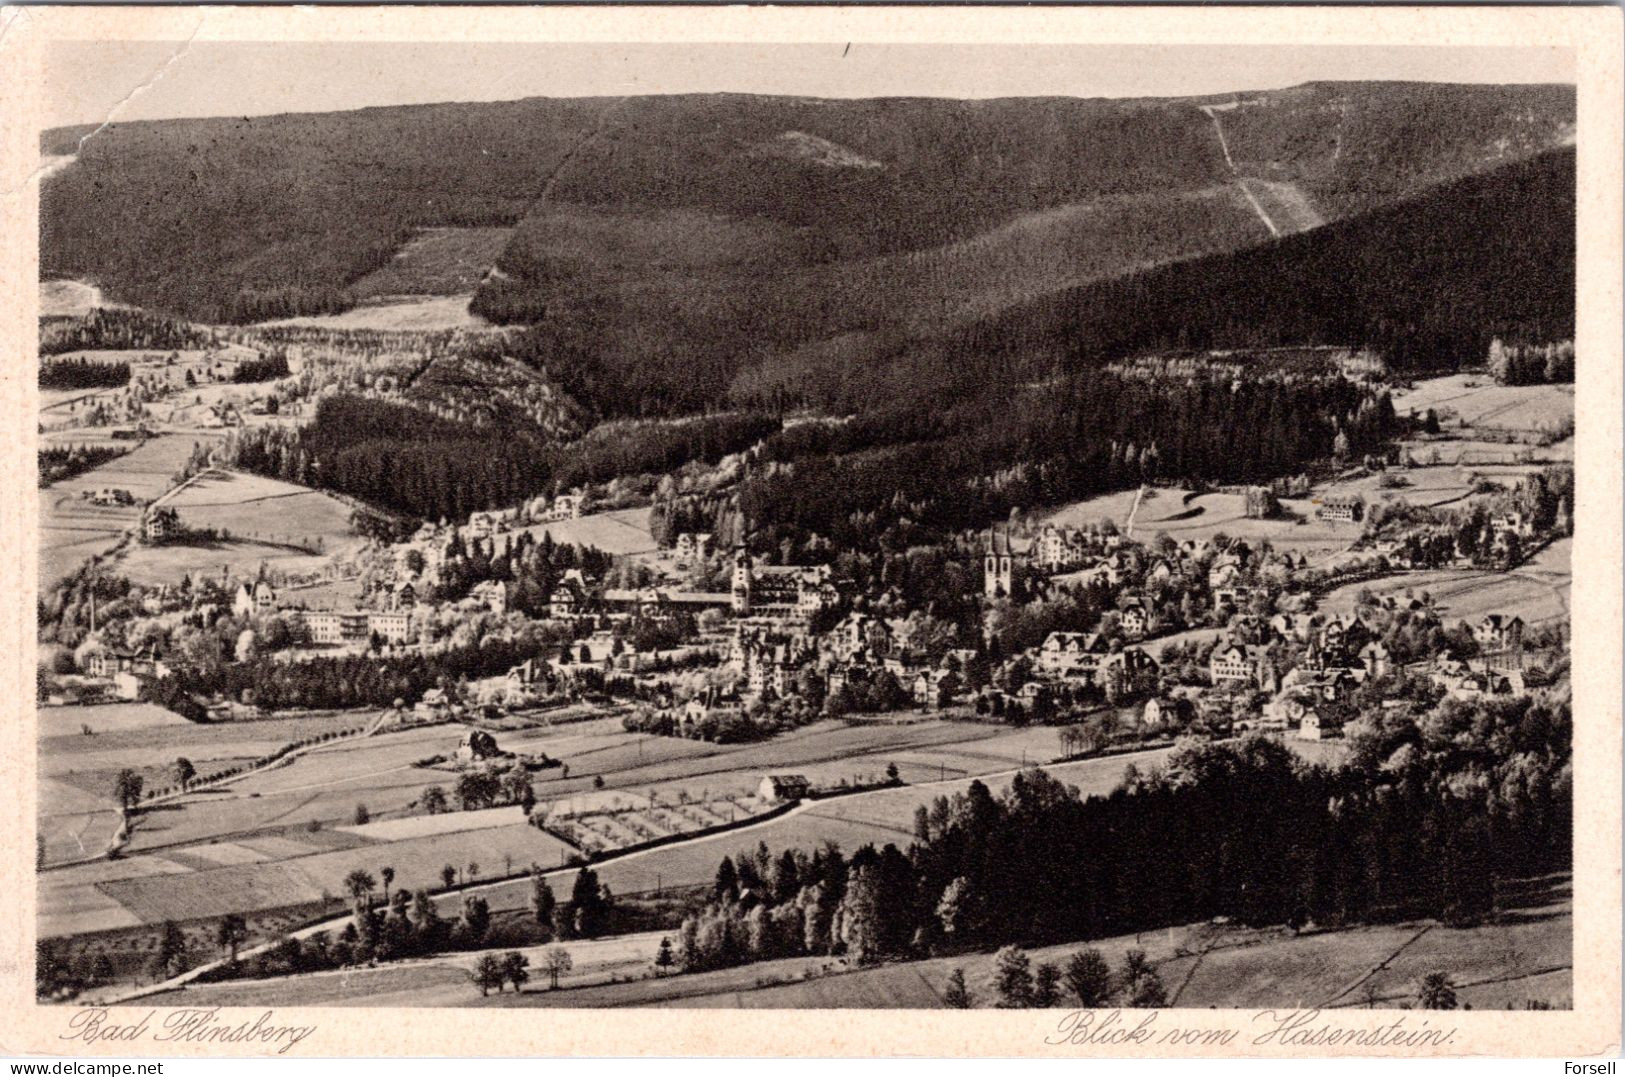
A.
pixel 729 228
pixel 1430 282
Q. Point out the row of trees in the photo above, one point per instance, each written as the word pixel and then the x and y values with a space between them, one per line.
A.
pixel 354 680
pixel 58 462
pixel 119 329
pixel 266 368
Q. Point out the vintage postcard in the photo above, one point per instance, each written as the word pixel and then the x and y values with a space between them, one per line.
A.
pixel 872 531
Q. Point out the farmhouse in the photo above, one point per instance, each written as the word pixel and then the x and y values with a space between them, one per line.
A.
pixel 1314 725
pixel 1135 621
pixel 256 602
pixel 1240 663
pixel 1068 652
pixel 782 788
pixel 567 601
pixel 934 688
pixel 107 495
pixel 492 594
pixel 690 544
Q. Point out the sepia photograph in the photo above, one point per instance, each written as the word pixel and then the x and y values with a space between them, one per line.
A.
pixel 808 525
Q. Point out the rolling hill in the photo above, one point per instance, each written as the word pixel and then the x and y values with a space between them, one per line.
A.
pixel 1428 280
pixel 225 213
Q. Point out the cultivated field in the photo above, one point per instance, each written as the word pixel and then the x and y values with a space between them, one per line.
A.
pixel 278 836
pixel 77 811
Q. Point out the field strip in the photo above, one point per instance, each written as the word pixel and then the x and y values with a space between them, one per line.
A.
pixel 866 822
pixel 248 500
pixel 1378 967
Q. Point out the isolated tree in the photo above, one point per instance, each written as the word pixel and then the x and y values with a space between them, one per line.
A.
pixel 1089 978
pixel 956 910
pixel 362 815
pixel 1046 985
pixel 542 901
pixel 127 788
pixel 1436 992
pixel 1013 977
pixel 956 996
pixel 359 884
pixel 1148 993
pixel 424 914
pixel 171 954
pixel 476 920
pixel 664 959
pixel 184 770
pixel 233 930
pixel 557 964
pixel 434 800
pixel 727 882
pixel 448 875
pixel 489 973
pixel 387 874
pixel 516 969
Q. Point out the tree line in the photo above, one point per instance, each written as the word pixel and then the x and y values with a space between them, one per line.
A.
pixel 83 374
pixel 1083 436
pixel 1425 822
pixel 119 329
pixel 412 461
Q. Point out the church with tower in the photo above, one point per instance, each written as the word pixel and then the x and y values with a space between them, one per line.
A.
pixel 1003 569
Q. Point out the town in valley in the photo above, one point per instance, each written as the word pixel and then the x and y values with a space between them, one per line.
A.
pixel 1134 579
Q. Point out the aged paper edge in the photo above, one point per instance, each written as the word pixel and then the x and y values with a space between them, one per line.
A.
pixel 1594 34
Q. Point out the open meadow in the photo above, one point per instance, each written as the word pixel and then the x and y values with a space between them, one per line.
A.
pixel 423 314
pixel 621 532
pixel 261 521
pixel 1538 591
pixel 436 261
pixel 72 530
pixel 1476 402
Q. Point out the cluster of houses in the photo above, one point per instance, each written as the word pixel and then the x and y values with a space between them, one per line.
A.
pixel 1505 533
